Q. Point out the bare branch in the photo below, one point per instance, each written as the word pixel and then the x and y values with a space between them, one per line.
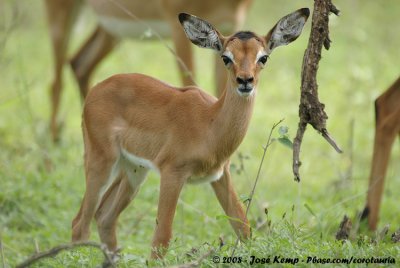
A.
pixel 311 110
pixel 108 258
pixel 344 229
pixel 331 141
pixel 333 9
pixel 296 150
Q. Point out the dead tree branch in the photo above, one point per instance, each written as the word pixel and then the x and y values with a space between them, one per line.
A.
pixel 311 110
pixel 108 258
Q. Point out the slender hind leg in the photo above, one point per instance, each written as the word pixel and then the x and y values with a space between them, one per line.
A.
pixel 116 199
pixel 100 172
pixel 96 48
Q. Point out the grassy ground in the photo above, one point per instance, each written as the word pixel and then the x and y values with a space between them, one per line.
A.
pixel 41 185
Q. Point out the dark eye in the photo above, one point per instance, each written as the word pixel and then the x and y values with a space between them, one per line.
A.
pixel 263 59
pixel 226 59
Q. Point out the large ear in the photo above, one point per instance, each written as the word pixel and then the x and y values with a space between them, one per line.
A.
pixel 287 29
pixel 201 32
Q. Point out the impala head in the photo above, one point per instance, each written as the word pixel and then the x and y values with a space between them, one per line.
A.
pixel 244 53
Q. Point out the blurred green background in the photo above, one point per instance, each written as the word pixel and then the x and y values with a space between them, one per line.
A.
pixel 41 185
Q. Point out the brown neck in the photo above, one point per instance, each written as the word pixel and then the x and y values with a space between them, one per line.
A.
pixel 232 117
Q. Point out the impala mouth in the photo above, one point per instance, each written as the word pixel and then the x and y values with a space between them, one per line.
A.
pixel 245 90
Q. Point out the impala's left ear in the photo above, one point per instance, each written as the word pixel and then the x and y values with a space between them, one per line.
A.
pixel 287 29
pixel 201 32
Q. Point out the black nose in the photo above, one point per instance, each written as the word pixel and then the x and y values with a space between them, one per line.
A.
pixel 244 81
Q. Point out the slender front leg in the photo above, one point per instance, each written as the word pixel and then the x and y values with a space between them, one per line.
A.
pixel 61 17
pixel 229 201
pixel 98 171
pixel 170 187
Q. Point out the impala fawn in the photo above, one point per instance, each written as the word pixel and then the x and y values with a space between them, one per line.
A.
pixel 133 123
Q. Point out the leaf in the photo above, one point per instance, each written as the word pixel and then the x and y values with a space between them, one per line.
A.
pixel 286 141
pixel 244 198
pixel 283 130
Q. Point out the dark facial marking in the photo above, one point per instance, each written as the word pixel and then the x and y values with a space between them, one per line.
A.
pixel 244 35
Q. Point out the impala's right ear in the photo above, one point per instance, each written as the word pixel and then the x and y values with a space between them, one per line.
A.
pixel 201 32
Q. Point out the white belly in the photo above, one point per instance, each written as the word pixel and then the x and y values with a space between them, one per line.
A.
pixel 138 161
pixel 147 164
pixel 135 29
pixel 207 178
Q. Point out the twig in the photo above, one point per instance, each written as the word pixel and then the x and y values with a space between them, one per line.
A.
pixel 196 210
pixel 37 249
pixel 344 229
pixel 330 140
pixel 265 148
pixel 311 110
pixel 349 172
pixel 108 261
pixel 356 226
pixel 296 150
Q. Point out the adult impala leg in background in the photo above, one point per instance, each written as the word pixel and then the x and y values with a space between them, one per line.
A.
pixel 61 15
pixel 387 127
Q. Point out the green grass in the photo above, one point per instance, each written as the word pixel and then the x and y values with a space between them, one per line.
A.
pixel 41 185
